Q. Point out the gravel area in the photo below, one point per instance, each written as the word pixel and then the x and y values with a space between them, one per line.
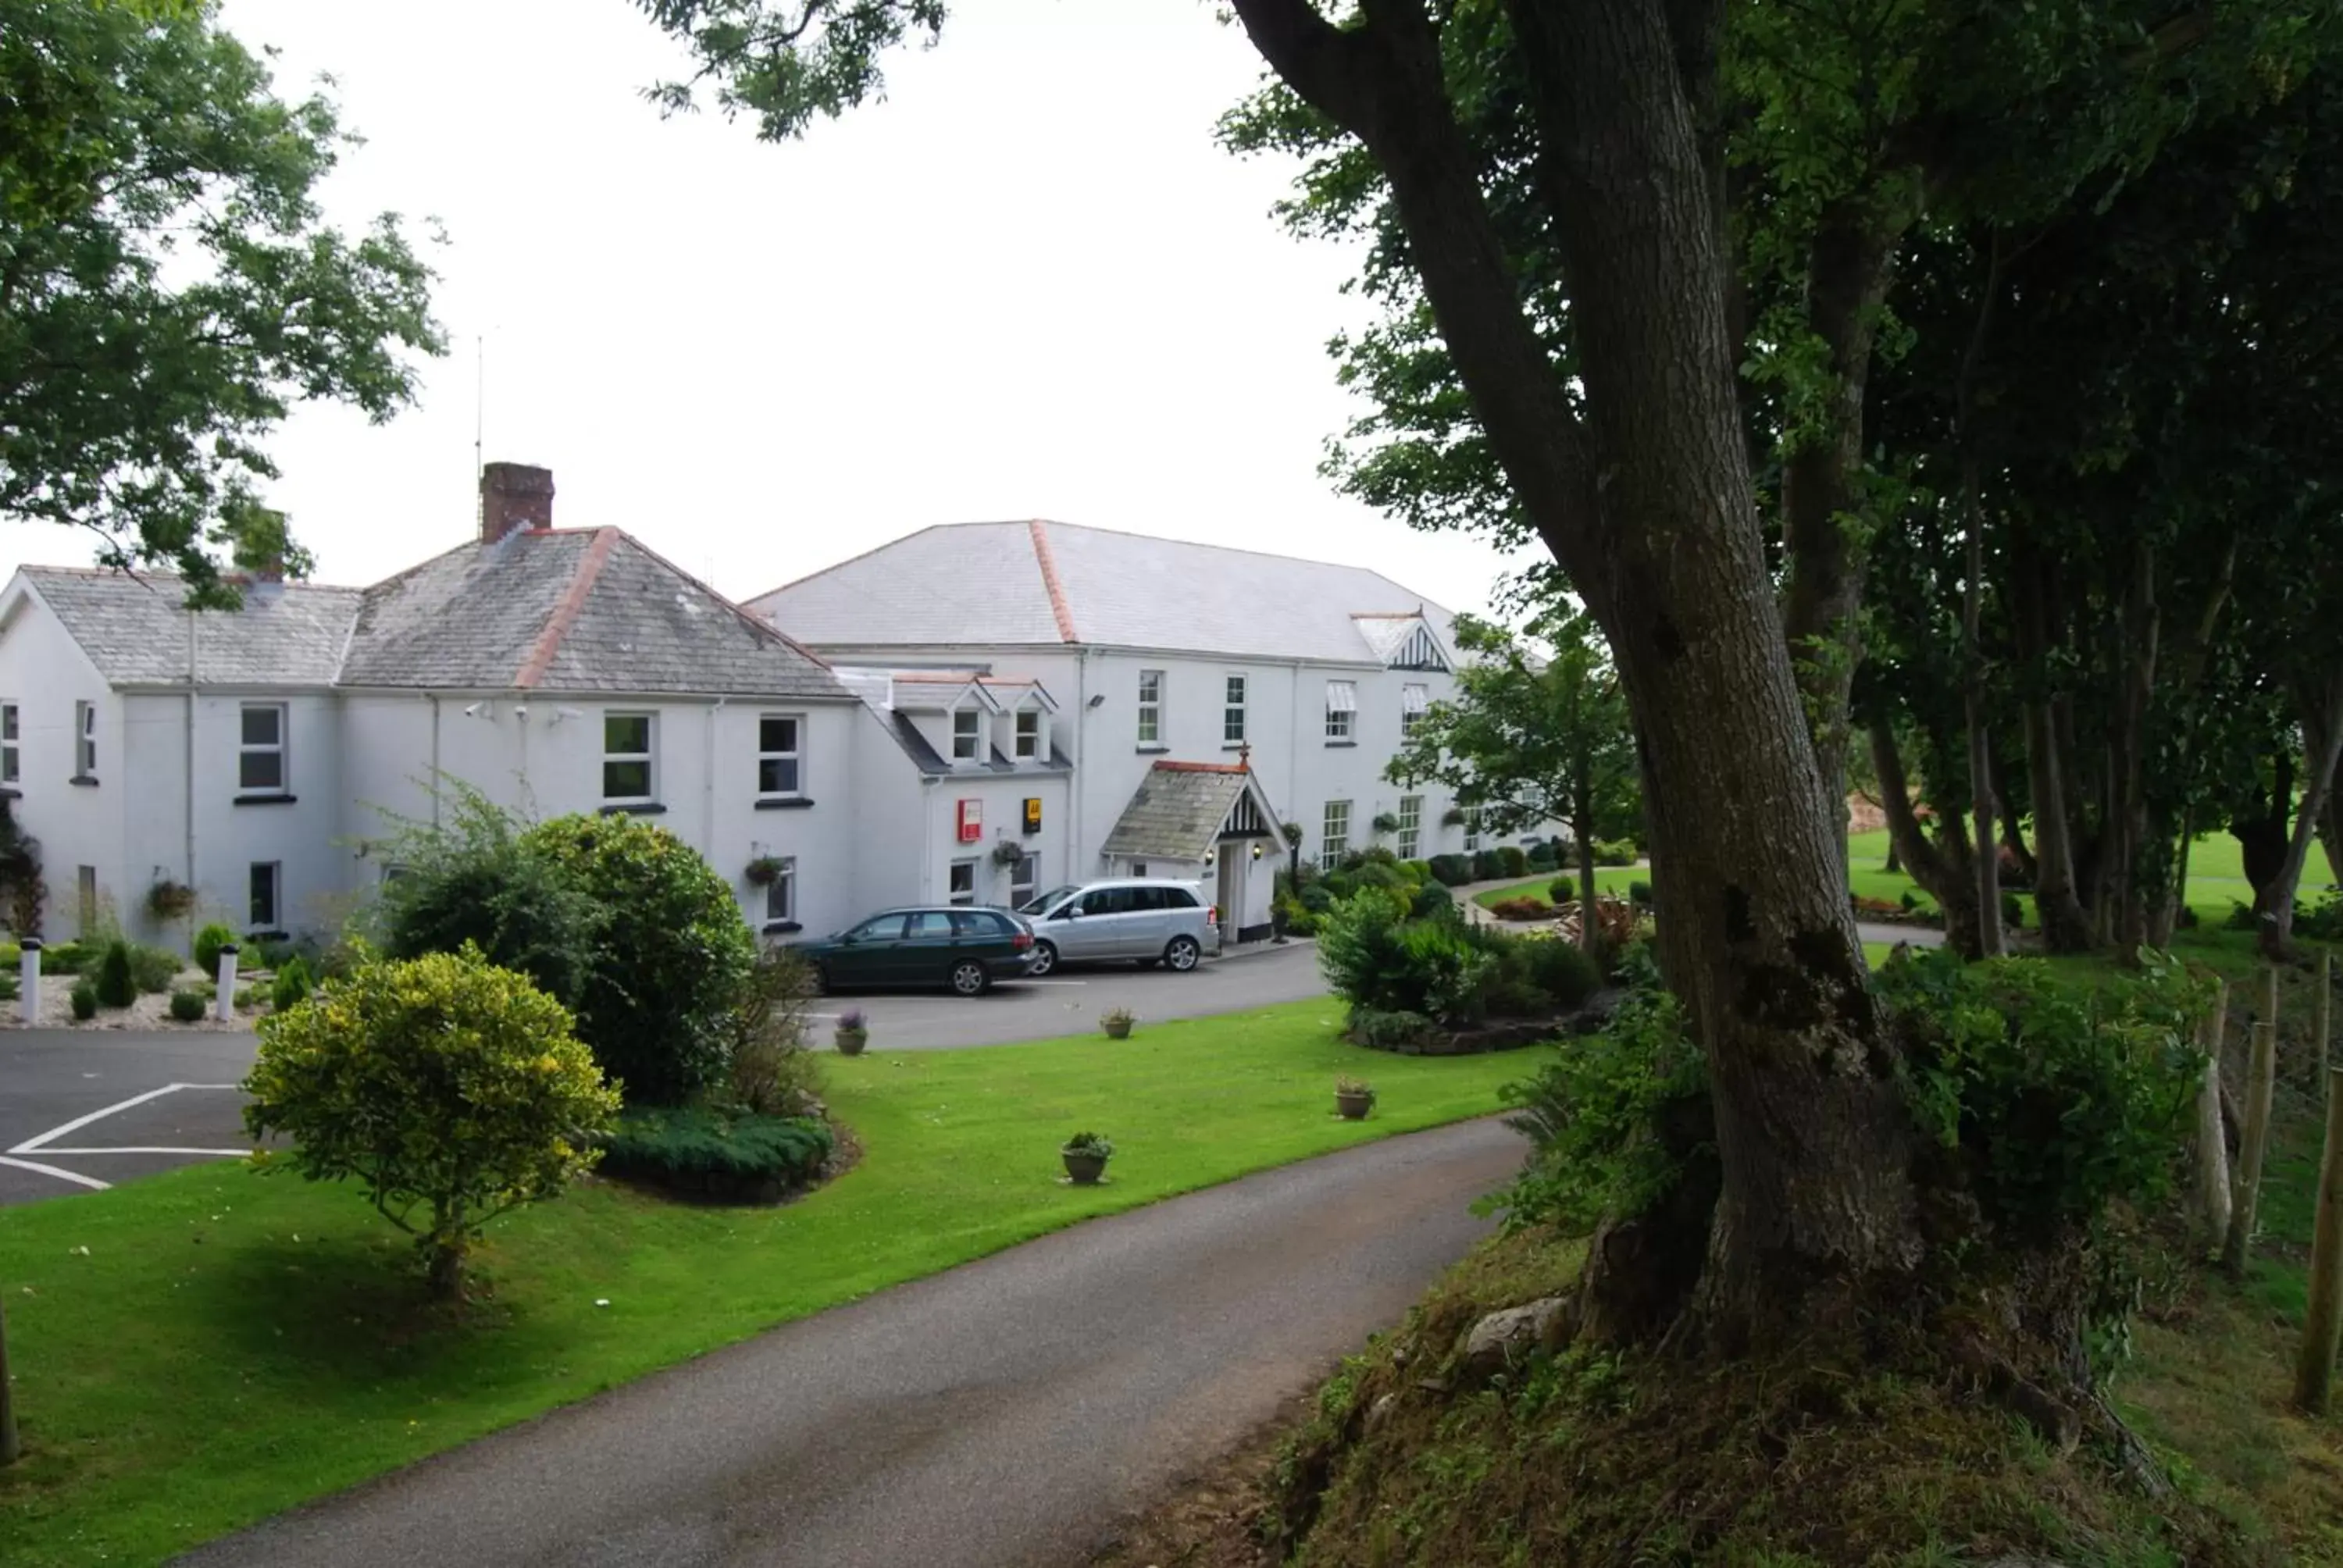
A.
pixel 148 1013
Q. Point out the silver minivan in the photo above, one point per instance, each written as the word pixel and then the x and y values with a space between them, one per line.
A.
pixel 1128 920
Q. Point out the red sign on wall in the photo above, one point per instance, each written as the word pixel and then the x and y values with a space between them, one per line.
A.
pixel 971 822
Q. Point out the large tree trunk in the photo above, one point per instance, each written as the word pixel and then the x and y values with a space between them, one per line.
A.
pixel 1582 829
pixel 2133 889
pixel 1980 734
pixel 1648 504
pixel 2064 928
pixel 2322 712
pixel 1941 868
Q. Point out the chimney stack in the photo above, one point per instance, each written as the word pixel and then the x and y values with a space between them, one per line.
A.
pixel 514 496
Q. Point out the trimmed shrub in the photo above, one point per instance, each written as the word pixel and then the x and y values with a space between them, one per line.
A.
pixel 153 969
pixel 1564 890
pixel 1488 866
pixel 1431 901
pixel 85 1001
pixel 1562 970
pixel 187 1006
pixel 1417 872
pixel 208 943
pixel 64 959
pixel 8 985
pixel 1387 1030
pixel 664 974
pixel 1639 893
pixel 1450 870
pixel 699 1149
pixel 451 1088
pixel 1521 909
pixel 1512 861
pixel 1614 853
pixel 292 985
pixel 117 985
pixel 1543 855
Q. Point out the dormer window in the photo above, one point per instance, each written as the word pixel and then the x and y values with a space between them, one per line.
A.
pixel 1029 734
pixel 968 734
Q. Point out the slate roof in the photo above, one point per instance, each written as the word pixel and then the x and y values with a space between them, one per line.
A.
pixel 589 610
pixel 1043 583
pixel 1176 812
pixel 136 629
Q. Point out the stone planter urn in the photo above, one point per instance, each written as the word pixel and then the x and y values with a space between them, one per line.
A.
pixel 1085 1154
pixel 1353 1102
pixel 1117 1024
pixel 852 1034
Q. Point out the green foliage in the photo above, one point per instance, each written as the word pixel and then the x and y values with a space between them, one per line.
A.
pixel 187 1006
pixel 1488 866
pixel 171 290
pixel 9 984
pixel 1520 910
pixel 451 1090
pixel 1396 973
pixel 1093 1143
pixel 673 955
pixel 2058 1100
pixel 209 943
pixel 692 1145
pixel 291 986
pixel 83 997
pixel 64 959
pixel 1590 1116
pixel 1387 1030
pixel 153 969
pixel 1544 856
pixel 1561 970
pixel 1450 870
pixel 1562 890
pixel 771 1073
pixel 1432 899
pixel 1512 861
pixel 1639 893
pixel 117 984
pixel 1616 852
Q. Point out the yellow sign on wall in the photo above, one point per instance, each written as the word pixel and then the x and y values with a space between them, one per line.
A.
pixel 1032 813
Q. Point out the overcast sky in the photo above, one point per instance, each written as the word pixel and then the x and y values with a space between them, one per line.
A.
pixel 1026 285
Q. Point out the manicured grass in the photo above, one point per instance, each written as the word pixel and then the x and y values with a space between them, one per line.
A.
pixel 2216 876
pixel 229 1345
pixel 1610 880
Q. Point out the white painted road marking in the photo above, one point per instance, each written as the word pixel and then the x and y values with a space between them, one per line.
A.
pixel 92 1182
pixel 46 1143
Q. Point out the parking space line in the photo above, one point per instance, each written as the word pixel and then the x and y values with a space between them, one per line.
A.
pixel 92 1182
pixel 215 1153
pixel 34 1145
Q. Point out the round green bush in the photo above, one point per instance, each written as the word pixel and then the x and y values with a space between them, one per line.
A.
pixel 1430 900
pixel 669 965
pixel 1563 889
pixel 1512 861
pixel 1639 893
pixel 117 985
pixel 85 1001
pixel 187 1006
pixel 1562 970
pixel 208 943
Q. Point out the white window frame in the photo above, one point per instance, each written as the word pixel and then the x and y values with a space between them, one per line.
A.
pixel 245 747
pixel 960 897
pixel 794 756
pixel 782 892
pixel 1334 833
pixel 11 733
pixel 647 756
pixel 1410 826
pixel 1342 709
pixel 1414 702
pixel 275 921
pixel 85 740
pixel 973 737
pixel 1151 707
pixel 1472 830
pixel 1234 689
pixel 1024 880
pixel 1028 748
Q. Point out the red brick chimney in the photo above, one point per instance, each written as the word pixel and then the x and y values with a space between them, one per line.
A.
pixel 514 496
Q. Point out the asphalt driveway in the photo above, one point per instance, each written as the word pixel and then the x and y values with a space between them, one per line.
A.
pixel 81 1110
pixel 1010 1412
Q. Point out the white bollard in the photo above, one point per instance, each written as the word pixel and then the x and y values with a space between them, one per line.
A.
pixel 224 1005
pixel 28 982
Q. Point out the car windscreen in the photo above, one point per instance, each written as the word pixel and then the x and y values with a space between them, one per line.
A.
pixel 1041 905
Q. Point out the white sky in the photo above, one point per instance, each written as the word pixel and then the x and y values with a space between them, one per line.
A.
pixel 1028 284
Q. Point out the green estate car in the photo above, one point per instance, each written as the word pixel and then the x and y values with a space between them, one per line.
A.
pixel 961 950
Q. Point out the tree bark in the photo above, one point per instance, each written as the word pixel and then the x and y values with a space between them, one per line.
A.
pixel 2322 723
pixel 1812 1140
pixel 1941 868
pixel 2129 802
pixel 1981 804
pixel 2064 928
pixel 1590 936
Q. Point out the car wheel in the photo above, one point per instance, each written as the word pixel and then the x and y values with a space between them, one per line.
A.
pixel 1182 954
pixel 969 978
pixel 1045 959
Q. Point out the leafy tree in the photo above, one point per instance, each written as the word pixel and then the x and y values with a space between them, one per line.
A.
pixel 1533 737
pixel 451 1090
pixel 168 289
pixel 671 955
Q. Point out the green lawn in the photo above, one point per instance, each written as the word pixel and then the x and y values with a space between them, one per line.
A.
pixel 198 1351
pixel 2216 875
pixel 1610 880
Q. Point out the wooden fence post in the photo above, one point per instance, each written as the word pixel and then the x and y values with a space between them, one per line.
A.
pixel 2261 1080
pixel 2322 1329
pixel 2212 1143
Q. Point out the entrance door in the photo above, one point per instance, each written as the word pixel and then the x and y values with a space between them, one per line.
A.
pixel 1232 889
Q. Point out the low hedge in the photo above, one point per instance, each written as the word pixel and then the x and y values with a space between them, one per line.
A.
pixel 712 1154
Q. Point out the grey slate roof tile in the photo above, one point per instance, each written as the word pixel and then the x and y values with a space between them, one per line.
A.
pixel 136 630
pixel 979 584
pixel 1177 810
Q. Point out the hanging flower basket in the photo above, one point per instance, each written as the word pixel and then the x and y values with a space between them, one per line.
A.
pixel 1385 822
pixel 1008 853
pixel 169 900
pixel 764 871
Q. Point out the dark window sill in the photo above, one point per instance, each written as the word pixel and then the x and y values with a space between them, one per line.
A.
pixel 1234 745
pixel 10 792
pixel 640 809
pixel 264 799
pixel 83 781
pixel 785 803
pixel 1342 745
pixel 255 937
pixel 781 927
pixel 1153 751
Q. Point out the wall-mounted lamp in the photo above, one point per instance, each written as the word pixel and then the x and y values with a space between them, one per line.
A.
pixel 1210 856
pixel 1256 848
pixel 480 710
pixel 1098 699
pixel 520 711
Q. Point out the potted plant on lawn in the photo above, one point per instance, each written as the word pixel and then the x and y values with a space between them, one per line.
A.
pixel 1117 1022
pixel 1086 1154
pixel 853 1033
pixel 764 871
pixel 1354 1096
